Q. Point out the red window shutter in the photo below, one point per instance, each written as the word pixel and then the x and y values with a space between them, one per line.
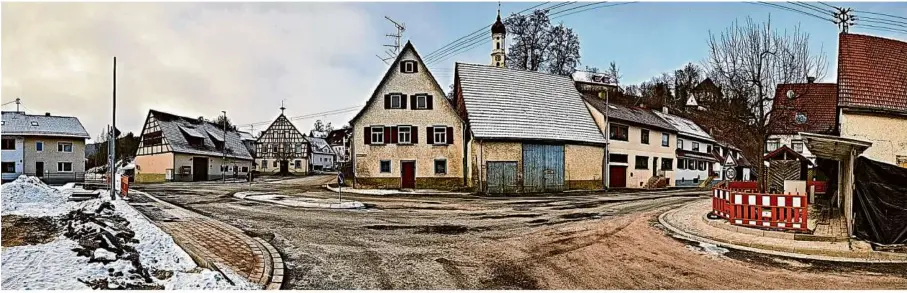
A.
pixel 450 133
pixel 402 101
pixel 394 135
pixel 387 134
pixel 387 101
pixel 367 135
pixel 429 135
pixel 428 102
pixel 414 136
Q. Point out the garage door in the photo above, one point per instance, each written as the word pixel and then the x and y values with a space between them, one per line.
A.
pixel 543 168
pixel 501 177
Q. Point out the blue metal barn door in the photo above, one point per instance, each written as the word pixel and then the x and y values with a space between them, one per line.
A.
pixel 501 177
pixel 543 168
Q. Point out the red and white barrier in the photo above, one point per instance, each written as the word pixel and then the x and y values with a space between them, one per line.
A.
pixel 777 211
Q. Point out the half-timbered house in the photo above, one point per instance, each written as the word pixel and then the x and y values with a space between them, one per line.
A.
pixel 282 149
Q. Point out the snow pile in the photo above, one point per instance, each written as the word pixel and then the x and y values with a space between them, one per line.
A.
pixel 156 248
pixel 28 196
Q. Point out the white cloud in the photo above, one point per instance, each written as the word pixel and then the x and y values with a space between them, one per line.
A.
pixel 188 59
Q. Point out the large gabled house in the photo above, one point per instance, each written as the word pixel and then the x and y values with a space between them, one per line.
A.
pixel 693 150
pixel 321 155
pixel 408 135
pixel 282 149
pixel 527 131
pixel 178 148
pixel 49 147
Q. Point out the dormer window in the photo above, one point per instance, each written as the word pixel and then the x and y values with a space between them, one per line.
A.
pixel 409 66
pixel 34 123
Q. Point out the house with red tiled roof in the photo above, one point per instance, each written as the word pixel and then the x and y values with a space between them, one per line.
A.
pixel 802 107
pixel 872 95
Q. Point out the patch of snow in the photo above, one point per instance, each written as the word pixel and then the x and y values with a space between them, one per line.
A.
pixel 709 249
pixel 28 196
pixel 104 254
pixel 156 248
pixel 52 266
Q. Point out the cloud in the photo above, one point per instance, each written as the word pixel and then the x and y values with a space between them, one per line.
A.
pixel 188 59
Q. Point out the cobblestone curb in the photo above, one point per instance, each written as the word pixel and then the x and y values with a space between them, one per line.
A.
pixel 683 234
pixel 267 266
pixel 723 224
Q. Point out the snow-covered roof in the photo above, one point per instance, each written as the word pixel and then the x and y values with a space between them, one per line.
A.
pixel 685 127
pixel 592 77
pixel 505 103
pixel 319 145
pixel 19 123
pixel 245 135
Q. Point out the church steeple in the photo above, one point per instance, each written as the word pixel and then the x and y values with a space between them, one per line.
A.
pixel 498 36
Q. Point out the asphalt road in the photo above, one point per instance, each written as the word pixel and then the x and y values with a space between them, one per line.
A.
pixel 595 241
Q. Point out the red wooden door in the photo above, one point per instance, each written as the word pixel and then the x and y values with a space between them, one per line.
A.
pixel 408 174
pixel 618 176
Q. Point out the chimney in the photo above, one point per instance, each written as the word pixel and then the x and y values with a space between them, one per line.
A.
pixel 664 109
pixel 810 79
pixel 47 114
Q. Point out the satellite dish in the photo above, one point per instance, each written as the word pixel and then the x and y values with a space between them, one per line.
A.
pixel 791 95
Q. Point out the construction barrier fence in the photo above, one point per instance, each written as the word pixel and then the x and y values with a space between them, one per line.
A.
pixel 761 210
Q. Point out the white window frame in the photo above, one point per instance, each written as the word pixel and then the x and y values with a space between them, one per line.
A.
pixel 60 166
pixel 41 143
pixel 665 140
pixel 399 99
pixel 409 66
pixel 421 101
pixel 435 166
pixel 793 145
pixel 380 133
pixel 408 132
pixel 61 147
pixel 770 142
pixel 695 146
pixel 390 166
pixel 442 133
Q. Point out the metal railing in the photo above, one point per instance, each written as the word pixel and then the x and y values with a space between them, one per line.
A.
pixel 59 177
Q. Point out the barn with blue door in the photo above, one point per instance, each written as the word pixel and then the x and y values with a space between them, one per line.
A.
pixel 527 132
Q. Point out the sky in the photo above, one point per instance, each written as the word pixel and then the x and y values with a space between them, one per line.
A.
pixel 198 59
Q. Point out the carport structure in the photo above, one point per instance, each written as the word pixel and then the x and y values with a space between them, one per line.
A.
pixel 845 152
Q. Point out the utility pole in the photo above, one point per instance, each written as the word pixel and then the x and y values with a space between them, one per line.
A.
pixel 843 18
pixel 223 166
pixel 112 134
pixel 391 54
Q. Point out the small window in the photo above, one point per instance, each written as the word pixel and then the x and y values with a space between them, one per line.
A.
pixel 797 146
pixel 2 122
pixel 691 165
pixel 617 158
pixel 771 145
pixel 245 169
pixel 441 166
pixel 9 144
pixel 440 133
pixel 679 143
pixel 39 146
pixel 681 164
pixel 297 164
pixel 708 148
pixel 667 164
pixel 665 139
pixel 421 102
pixel 64 167
pixel 642 163
pixel 409 66
pixel 702 166
pixel 385 166
pixel 9 167
pixel 695 146
pixel 644 136
pixel 34 123
pixel 377 134
pixel 404 134
pixel 275 164
pixel 619 132
pixel 396 101
pixel 264 163
pixel 65 147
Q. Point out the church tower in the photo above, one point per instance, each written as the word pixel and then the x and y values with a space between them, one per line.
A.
pixel 498 35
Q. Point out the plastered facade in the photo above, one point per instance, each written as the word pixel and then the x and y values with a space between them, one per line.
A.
pixel 50 154
pixel 887 133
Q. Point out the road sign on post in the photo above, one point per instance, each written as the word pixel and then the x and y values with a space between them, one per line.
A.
pixel 340 186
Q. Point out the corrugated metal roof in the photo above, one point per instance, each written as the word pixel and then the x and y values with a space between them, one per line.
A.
pixel 19 123
pixel 685 126
pixel 173 127
pixel 514 104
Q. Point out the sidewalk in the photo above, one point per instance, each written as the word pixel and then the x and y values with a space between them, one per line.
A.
pixel 689 221
pixel 214 244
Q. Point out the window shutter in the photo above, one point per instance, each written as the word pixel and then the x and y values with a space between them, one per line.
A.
pixel 429 135
pixel 450 139
pixel 414 136
pixel 387 101
pixel 387 134
pixel 402 101
pixel 412 101
pixel 402 66
pixel 367 136
pixel 415 66
pixel 394 136
pixel 428 102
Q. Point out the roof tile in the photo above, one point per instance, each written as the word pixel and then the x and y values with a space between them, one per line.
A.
pixel 872 73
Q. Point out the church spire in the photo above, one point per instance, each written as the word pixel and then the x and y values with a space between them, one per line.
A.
pixel 498 37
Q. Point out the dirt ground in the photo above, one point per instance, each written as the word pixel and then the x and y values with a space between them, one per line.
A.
pixel 19 230
pixel 593 241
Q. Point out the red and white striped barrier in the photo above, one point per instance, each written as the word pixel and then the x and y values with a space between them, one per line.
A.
pixel 777 211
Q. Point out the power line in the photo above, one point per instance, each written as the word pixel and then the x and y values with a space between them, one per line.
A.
pixel 882 14
pixel 813 8
pixel 793 9
pixel 891 22
pixel 883 28
pixel 832 7
pixel 576 7
pixel 307 116
pixel 592 8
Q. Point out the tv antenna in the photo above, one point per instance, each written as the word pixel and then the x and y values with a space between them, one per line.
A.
pixel 391 54
pixel 843 18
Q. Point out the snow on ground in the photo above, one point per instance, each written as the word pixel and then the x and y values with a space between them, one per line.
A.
pixel 79 263
pixel 297 201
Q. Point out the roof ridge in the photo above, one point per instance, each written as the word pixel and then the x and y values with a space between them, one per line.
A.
pixel 517 70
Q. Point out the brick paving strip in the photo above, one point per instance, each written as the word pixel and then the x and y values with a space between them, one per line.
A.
pixel 688 222
pixel 212 243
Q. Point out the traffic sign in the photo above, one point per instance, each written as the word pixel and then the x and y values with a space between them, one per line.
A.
pixel 340 178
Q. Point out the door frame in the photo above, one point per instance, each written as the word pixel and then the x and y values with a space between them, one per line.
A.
pixel 195 172
pixel 43 169
pixel 401 172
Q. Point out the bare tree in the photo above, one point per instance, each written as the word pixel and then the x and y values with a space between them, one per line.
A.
pixel 220 121
pixel 530 34
pixel 685 79
pixel 562 54
pixel 614 73
pixel 748 61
